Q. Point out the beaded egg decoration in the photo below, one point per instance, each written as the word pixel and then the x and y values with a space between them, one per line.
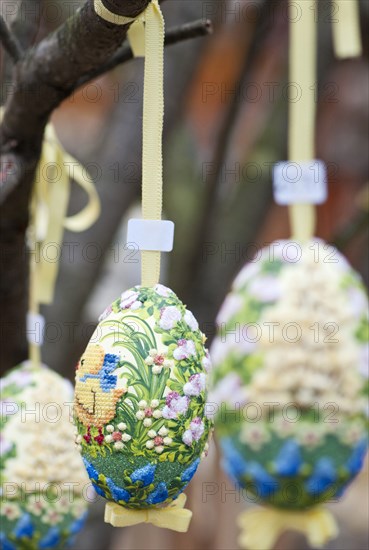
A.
pixel 44 484
pixel 140 399
pixel 291 375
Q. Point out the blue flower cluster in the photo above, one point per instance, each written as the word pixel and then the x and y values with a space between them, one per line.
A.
pixel 25 529
pixel 146 475
pixel 289 463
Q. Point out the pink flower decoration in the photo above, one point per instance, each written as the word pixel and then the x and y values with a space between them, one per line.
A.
pixel 175 405
pixel 194 432
pixel 195 385
pixel 185 349
pixel 128 300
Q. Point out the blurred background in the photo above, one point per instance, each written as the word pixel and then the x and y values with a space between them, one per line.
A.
pixel 225 126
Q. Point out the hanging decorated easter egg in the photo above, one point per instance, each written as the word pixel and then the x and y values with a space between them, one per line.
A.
pixel 44 485
pixel 140 399
pixel 291 375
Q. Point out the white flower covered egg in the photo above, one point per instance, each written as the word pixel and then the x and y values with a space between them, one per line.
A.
pixel 44 484
pixel 291 375
pixel 140 399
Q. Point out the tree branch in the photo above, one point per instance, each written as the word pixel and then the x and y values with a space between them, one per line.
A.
pixel 172 36
pixel 9 41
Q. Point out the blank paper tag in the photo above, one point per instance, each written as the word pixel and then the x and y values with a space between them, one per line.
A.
pixel 300 182
pixel 151 234
pixel 35 328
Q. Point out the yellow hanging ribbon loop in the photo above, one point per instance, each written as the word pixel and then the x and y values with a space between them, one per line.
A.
pixel 301 138
pixel 261 527
pixel 146 37
pixel 174 516
pixel 50 201
pixel 346 29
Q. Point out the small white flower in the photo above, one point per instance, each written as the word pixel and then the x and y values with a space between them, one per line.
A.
pixel 109 438
pixel 149 444
pixel 159 449
pixel 149 361
pixel 157 369
pixel 187 437
pixel 126 437
pixel 152 433
pixel 129 300
pixel 147 422
pixel 78 438
pixel 142 404
pixel 118 445
pixel 157 414
pixel 163 290
pixel 206 362
pixel 110 428
pixel 122 426
pixel 163 431
pixel 153 352
pixel 140 415
pixel 167 440
pixel 169 317
pixel 168 364
pixel 154 403
pixel 190 320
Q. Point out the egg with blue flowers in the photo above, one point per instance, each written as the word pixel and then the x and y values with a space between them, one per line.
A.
pixel 290 383
pixel 140 399
pixel 45 489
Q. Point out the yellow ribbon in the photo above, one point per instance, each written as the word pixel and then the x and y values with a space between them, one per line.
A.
pixel 346 29
pixel 51 194
pixel 146 36
pixel 261 527
pixel 302 110
pixel 174 516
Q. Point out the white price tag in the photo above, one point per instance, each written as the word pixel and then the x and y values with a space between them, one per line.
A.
pixel 35 328
pixel 300 182
pixel 153 235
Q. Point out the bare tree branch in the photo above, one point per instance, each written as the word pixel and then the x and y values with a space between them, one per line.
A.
pixel 172 36
pixel 9 41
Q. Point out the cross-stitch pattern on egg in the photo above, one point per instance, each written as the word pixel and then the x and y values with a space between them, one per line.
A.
pixel 140 399
pixel 96 393
pixel 45 488
pixel 291 375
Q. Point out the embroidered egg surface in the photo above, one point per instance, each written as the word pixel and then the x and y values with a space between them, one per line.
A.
pixel 44 483
pixel 140 399
pixel 291 375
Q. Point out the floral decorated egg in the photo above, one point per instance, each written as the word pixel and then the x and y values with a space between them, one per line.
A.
pixel 291 375
pixel 44 484
pixel 140 399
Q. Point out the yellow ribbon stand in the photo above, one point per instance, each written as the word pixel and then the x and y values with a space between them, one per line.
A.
pixel 146 37
pixel 302 111
pixel 303 73
pixel 346 29
pixel 261 527
pixel 174 516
